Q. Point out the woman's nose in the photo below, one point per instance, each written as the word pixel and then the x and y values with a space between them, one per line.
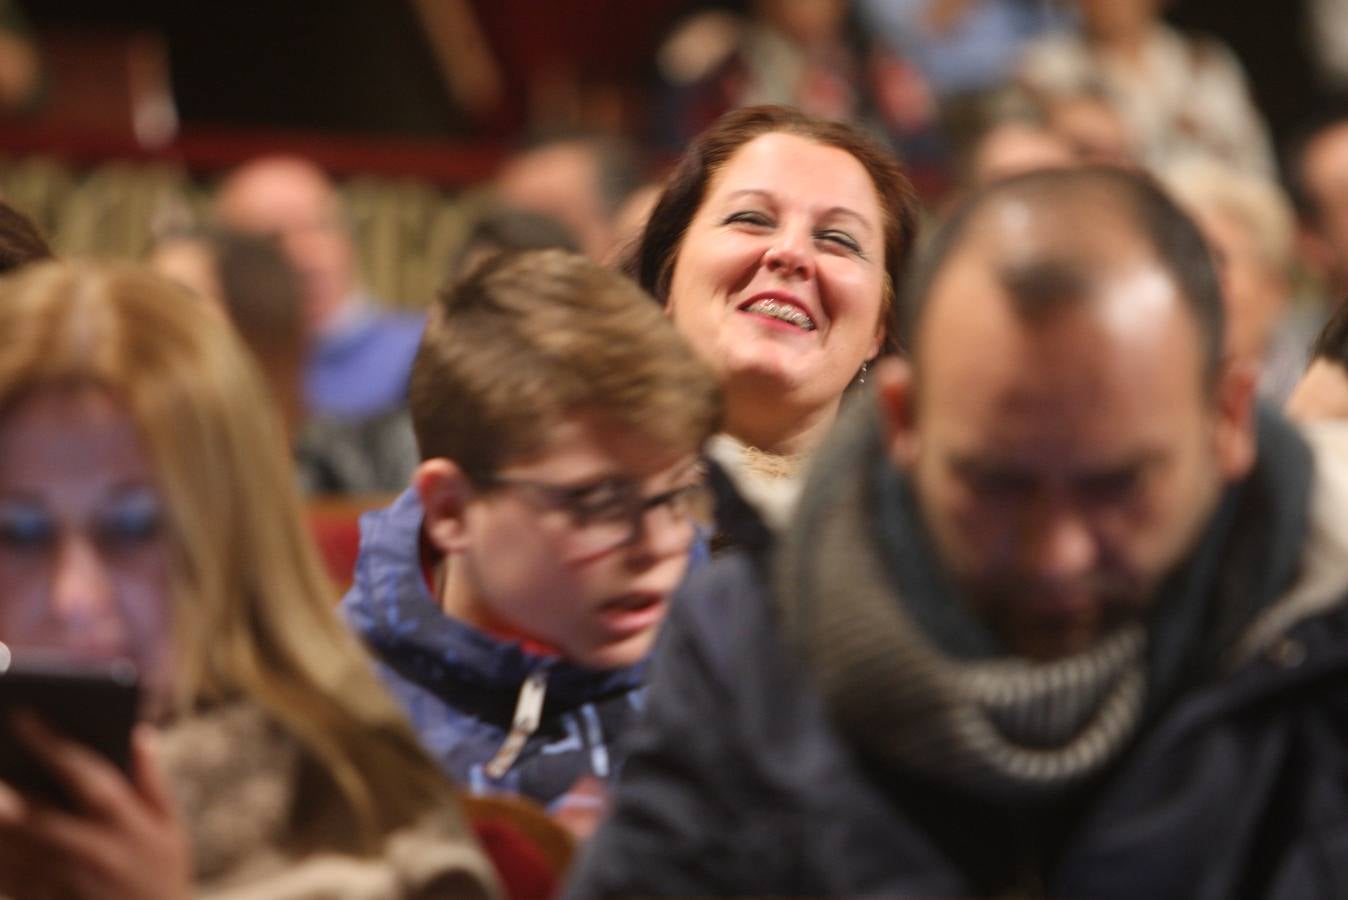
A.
pixel 83 598
pixel 790 255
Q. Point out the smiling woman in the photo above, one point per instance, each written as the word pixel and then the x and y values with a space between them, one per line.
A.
pixel 776 248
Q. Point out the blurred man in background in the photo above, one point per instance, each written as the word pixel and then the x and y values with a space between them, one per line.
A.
pixel 360 355
pixel 581 182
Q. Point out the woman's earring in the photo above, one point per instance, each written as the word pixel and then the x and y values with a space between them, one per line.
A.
pixel 861 376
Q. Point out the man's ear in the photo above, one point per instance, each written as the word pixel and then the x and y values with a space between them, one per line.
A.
pixel 894 393
pixel 1236 440
pixel 445 492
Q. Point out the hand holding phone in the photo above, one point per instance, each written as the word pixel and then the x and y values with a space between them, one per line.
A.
pixel 118 834
pixel 94 704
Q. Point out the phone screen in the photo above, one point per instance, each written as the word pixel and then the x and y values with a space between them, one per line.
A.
pixel 92 703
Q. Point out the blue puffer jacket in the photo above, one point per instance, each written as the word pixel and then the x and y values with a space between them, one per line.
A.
pixel 460 686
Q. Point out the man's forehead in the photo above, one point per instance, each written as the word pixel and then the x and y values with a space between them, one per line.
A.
pixel 271 193
pixel 1020 259
pixel 1124 336
pixel 1089 222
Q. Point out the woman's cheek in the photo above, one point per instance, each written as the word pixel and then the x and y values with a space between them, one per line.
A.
pixel 847 290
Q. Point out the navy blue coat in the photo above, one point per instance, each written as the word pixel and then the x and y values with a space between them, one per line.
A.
pixel 737 784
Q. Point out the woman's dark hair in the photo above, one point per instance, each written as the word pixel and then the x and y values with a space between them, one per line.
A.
pixel 652 261
pixel 1332 341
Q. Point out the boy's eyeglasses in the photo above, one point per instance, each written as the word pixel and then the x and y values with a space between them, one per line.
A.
pixel 610 513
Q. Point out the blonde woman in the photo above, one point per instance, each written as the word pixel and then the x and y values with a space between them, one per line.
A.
pixel 147 512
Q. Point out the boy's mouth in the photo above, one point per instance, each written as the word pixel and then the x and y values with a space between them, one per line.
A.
pixel 632 613
pixel 632 601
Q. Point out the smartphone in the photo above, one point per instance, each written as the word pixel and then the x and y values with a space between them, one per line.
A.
pixel 94 703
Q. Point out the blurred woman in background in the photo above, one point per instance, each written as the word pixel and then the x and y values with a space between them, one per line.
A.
pixel 148 512
pixel 1249 223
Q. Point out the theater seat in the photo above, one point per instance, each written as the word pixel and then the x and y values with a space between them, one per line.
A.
pixel 335 526
pixel 531 852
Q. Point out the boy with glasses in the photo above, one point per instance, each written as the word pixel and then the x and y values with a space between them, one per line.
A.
pixel 512 594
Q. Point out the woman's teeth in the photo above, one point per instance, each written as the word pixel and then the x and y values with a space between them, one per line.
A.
pixel 785 312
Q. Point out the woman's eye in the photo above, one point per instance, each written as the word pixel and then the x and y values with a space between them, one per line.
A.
pixel 131 521
pixel 748 217
pixel 23 528
pixel 842 239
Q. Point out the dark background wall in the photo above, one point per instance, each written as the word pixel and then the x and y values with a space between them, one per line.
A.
pixel 355 66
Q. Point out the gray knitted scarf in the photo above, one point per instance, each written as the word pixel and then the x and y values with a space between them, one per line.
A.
pixel 912 680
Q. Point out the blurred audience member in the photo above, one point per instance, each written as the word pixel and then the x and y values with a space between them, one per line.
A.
pixel 962 48
pixel 806 54
pixel 359 356
pixel 1061 613
pixel 1179 95
pixel 776 248
pixel 580 182
pixel 1014 131
pixel 147 514
pixel 1250 226
pixel 186 255
pixel 250 279
pixel 333 454
pixel 1327 38
pixel 502 229
pixel 1091 126
pixel 1010 146
pixel 1317 177
pixel 530 563
pixel 631 220
pixel 264 298
pixel 21 75
pixel 1322 392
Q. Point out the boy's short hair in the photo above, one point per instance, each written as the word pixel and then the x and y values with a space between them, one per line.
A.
pixel 529 338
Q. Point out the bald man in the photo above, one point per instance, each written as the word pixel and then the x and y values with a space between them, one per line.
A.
pixel 360 356
pixel 1062 615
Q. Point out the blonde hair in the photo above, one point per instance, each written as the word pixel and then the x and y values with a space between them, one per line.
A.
pixel 252 607
pixel 1255 204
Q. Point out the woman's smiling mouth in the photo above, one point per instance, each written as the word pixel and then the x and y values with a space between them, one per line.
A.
pixel 779 308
